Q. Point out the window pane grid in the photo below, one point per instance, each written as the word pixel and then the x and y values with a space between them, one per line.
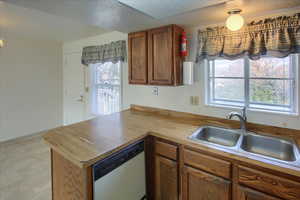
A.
pixel 106 88
pixel 259 92
pixel 228 100
pixel 266 104
pixel 107 98
pixel 212 77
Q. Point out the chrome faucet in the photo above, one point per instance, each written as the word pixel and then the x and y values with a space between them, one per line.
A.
pixel 242 117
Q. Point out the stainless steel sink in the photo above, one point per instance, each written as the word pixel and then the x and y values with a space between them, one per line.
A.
pixel 220 136
pixel 277 148
pixel 249 144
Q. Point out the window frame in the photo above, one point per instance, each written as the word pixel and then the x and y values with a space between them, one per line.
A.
pixel 94 86
pixel 294 89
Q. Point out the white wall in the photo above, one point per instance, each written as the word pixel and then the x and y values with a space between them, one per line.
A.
pixel 30 87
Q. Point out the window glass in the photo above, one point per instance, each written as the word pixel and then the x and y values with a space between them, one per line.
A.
pixel 266 84
pixel 106 90
pixel 270 67
pixel 228 68
pixel 270 91
pixel 229 89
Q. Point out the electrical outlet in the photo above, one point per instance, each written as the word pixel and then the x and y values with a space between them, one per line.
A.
pixel 155 91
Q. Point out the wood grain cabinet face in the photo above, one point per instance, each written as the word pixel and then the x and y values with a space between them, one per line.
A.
pixel 69 182
pixel 181 172
pixel 160 61
pixel 199 185
pixel 166 150
pixel 154 56
pixel 166 179
pixel 207 163
pixel 248 194
pixel 268 183
pixel 137 58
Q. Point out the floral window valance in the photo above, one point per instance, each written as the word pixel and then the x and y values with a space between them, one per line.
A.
pixel 278 37
pixel 113 52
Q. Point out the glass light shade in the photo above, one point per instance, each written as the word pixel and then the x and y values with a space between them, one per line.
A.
pixel 1 43
pixel 234 22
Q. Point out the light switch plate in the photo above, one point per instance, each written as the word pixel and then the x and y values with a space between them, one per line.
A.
pixel 194 100
pixel 155 91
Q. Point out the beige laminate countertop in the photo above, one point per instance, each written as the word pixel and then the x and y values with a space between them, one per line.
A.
pixel 87 142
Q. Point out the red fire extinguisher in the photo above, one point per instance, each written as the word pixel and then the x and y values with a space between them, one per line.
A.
pixel 183 45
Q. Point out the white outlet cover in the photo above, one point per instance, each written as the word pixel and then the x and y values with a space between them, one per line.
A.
pixel 160 9
pixel 155 91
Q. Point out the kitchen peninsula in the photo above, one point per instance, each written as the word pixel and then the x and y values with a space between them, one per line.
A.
pixel 173 162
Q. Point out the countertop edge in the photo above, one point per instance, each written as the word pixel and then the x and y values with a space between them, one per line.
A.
pixel 283 168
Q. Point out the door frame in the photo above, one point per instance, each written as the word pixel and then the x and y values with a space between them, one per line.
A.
pixel 65 54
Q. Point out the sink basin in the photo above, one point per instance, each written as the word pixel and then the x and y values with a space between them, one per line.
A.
pixel 249 144
pixel 215 135
pixel 269 146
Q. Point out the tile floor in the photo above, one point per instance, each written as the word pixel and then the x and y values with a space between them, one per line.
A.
pixel 25 169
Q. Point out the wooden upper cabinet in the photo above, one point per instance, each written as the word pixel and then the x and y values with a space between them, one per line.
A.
pixel 137 58
pixel 164 60
pixel 248 194
pixel 160 56
pixel 163 63
pixel 199 185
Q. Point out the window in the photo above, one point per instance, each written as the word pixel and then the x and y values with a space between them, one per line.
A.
pixel 106 88
pixel 265 84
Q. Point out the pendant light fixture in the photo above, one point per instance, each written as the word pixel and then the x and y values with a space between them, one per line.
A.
pixel 235 21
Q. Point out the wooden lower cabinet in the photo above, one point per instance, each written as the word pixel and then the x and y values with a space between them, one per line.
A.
pixel 248 194
pixel 185 173
pixel 166 179
pixel 70 182
pixel 199 185
pixel 269 183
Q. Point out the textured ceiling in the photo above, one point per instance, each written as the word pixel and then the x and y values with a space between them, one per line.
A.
pixel 30 23
pixel 159 9
pixel 110 14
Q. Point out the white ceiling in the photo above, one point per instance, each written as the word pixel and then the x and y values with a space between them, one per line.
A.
pixel 159 9
pixel 31 23
pixel 71 19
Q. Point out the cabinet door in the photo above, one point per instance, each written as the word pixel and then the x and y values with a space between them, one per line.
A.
pixel 166 179
pixel 137 58
pixel 160 62
pixel 199 185
pixel 247 194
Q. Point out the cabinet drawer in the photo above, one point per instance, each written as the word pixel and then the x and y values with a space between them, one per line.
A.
pixel 165 149
pixel 268 183
pixel 207 163
pixel 248 194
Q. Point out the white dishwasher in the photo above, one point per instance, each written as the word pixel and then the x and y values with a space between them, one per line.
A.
pixel 121 176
